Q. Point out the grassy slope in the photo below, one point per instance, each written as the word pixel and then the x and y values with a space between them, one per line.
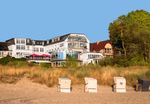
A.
pixel 49 76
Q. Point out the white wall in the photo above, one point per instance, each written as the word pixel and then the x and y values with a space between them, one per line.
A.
pixel 84 57
pixel 4 53
pixel 57 47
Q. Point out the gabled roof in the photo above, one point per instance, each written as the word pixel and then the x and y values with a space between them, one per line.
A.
pixel 3 46
pixel 99 45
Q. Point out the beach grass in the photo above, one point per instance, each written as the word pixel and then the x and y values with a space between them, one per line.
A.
pixel 49 76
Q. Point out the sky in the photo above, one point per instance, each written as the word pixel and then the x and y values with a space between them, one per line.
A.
pixel 46 19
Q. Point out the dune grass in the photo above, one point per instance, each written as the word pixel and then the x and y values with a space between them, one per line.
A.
pixel 49 76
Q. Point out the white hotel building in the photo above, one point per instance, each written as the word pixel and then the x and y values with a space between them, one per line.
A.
pixel 22 47
pixel 60 47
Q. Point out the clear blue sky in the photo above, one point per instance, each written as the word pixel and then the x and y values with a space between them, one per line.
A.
pixel 44 19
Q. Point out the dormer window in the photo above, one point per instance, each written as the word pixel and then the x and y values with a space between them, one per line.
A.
pixel 47 41
pixel 58 39
pixel 33 42
pixel 28 41
pixel 52 40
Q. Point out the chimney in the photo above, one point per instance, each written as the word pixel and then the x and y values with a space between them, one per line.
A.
pixel 97 42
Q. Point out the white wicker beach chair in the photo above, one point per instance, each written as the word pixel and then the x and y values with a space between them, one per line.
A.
pixel 64 85
pixel 119 84
pixel 90 84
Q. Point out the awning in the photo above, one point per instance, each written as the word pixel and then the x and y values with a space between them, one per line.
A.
pixel 43 55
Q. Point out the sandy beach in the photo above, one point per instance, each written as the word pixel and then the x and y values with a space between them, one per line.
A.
pixel 27 92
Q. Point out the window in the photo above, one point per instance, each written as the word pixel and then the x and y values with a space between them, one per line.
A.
pixel 28 41
pixel 18 47
pixel 41 49
pixel 47 41
pixel 83 45
pixel 52 40
pixel 28 47
pixel 18 41
pixel 36 49
pixel 70 45
pixel 22 41
pixel 19 54
pixel 91 56
pixel 77 38
pixel 33 42
pixel 62 44
pixel 22 47
pixel 108 50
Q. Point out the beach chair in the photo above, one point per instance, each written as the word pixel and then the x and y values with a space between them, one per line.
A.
pixel 143 85
pixel 90 85
pixel 64 85
pixel 119 84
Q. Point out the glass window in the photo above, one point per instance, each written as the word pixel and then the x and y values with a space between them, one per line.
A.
pixel 47 41
pixel 77 38
pixel 28 41
pixel 18 47
pixel 22 47
pixel 62 44
pixel 17 41
pixel 36 49
pixel 70 45
pixel 33 42
pixel 41 49
pixel 28 47
pixel 108 50
pixel 22 41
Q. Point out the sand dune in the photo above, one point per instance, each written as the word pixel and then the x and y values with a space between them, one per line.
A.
pixel 27 92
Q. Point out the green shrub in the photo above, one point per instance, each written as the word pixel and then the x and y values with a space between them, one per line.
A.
pixel 18 62
pixel 71 62
pixel 122 61
pixel 5 60
pixel 45 65
pixel 106 61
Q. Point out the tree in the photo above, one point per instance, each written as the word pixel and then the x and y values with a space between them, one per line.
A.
pixel 130 34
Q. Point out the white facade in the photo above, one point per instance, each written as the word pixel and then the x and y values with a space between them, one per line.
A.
pixel 58 48
pixel 20 49
pixel 4 53
pixel 90 57
pixel 68 44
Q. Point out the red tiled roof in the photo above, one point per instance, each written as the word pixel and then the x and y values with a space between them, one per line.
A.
pixel 99 45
